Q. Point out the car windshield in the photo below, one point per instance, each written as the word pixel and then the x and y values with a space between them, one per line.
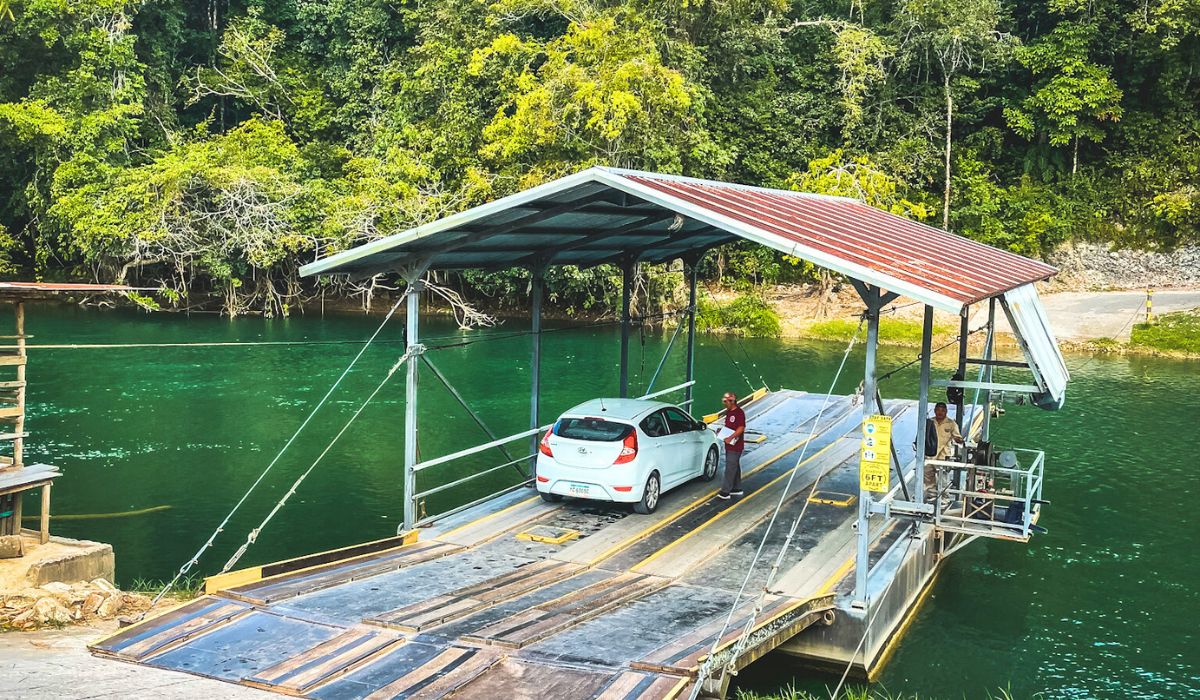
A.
pixel 596 429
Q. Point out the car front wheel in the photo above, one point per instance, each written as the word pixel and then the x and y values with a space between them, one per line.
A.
pixel 710 464
pixel 650 495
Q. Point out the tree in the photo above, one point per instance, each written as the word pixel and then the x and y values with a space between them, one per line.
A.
pixel 957 36
pixel 1072 96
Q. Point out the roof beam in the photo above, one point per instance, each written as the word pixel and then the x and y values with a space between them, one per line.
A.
pixel 672 237
pixel 600 235
pixel 509 226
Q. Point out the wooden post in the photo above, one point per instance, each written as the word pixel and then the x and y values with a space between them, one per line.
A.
pixel 19 424
pixel 46 513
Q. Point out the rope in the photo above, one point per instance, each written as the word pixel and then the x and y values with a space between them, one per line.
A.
pixel 253 534
pixel 183 570
pixel 706 668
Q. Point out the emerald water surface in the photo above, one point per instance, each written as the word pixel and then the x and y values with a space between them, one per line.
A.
pixel 1106 605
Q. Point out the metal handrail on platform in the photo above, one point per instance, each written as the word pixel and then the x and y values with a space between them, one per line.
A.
pixel 498 442
pixel 968 507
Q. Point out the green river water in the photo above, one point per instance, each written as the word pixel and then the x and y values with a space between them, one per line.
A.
pixel 1107 605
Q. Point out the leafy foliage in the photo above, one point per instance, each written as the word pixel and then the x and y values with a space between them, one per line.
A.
pixel 210 149
pixel 748 314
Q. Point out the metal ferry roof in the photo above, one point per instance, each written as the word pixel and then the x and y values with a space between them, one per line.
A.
pixel 605 215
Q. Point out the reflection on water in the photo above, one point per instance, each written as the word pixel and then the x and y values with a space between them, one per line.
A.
pixel 1105 605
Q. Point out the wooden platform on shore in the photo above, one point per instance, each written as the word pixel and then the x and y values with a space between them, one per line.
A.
pixel 627 608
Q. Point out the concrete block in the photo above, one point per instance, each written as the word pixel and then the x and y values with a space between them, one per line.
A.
pixel 80 560
pixel 11 547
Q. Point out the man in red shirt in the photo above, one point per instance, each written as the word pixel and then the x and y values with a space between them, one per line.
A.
pixel 735 420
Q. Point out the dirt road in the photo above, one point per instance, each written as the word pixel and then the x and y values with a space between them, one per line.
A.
pixel 56 664
pixel 1089 315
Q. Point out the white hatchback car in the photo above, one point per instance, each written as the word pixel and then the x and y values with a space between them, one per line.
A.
pixel 624 450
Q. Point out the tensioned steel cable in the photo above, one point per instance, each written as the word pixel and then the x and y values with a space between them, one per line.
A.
pixel 183 570
pixel 706 668
pixel 252 536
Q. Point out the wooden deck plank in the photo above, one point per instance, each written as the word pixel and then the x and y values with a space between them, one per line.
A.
pixel 172 636
pixel 304 671
pixel 464 601
pixel 333 574
pixel 445 673
pixel 513 679
pixel 642 685
pixel 531 625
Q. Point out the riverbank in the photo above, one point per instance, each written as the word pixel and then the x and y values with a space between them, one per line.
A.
pixel 1087 322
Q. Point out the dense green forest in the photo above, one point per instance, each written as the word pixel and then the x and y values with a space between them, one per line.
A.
pixel 208 147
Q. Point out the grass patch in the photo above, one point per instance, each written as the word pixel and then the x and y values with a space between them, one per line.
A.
pixel 748 314
pixel 860 693
pixel 891 330
pixel 1177 332
pixel 186 588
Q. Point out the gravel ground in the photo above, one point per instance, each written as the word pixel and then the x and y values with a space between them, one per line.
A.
pixel 56 664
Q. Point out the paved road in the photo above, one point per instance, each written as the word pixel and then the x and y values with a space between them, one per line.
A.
pixel 1084 315
pixel 56 664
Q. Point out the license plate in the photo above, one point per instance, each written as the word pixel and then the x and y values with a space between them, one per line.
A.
pixel 579 489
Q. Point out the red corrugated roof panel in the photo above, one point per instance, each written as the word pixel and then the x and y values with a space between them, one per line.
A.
pixel 893 246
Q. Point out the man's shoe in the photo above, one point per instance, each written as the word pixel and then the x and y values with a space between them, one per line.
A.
pixel 739 493
pixel 723 496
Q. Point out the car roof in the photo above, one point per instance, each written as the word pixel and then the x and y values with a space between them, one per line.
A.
pixel 617 409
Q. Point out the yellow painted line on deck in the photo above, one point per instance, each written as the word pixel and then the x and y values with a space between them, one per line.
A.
pixel 488 517
pixel 701 500
pixel 732 507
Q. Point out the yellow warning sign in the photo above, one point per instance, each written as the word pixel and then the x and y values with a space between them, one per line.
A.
pixel 875 457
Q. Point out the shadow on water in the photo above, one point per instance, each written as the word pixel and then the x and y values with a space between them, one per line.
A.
pixel 1105 605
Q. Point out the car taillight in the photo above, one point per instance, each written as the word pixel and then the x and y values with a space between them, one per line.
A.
pixel 544 445
pixel 628 448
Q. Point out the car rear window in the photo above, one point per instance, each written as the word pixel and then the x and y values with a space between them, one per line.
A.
pixel 596 429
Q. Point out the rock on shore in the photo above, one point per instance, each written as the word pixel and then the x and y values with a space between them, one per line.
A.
pixel 1085 266
pixel 57 604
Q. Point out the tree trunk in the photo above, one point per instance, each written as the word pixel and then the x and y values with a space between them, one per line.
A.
pixel 1075 158
pixel 949 121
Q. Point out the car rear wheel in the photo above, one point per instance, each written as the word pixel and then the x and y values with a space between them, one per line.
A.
pixel 650 495
pixel 550 497
pixel 710 464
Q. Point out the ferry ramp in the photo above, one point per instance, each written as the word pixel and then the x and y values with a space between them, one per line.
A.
pixel 518 598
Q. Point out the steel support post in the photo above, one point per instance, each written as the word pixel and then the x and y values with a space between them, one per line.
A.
pixel 626 294
pixel 964 328
pixel 923 400
pixel 693 273
pixel 862 562
pixel 535 362
pixel 986 435
pixel 412 347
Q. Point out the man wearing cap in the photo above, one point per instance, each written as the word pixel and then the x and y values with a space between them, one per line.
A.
pixel 735 443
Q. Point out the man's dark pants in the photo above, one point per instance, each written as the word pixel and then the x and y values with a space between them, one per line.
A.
pixel 733 472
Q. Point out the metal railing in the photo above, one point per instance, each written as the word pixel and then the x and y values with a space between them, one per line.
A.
pixel 990 501
pixel 419 496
